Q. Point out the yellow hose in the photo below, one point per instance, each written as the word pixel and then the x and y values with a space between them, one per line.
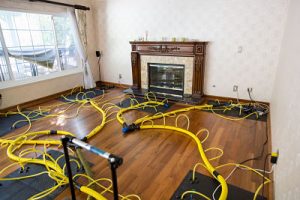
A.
pixel 92 193
pixel 53 170
pixel 56 173
pixel 209 167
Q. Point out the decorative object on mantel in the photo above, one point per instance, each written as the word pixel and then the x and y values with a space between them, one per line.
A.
pixel 184 39
pixel 164 39
pixel 192 52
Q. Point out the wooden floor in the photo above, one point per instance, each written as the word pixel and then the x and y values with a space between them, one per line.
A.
pixel 156 161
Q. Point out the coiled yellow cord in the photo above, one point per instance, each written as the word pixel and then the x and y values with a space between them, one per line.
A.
pixel 56 173
pixel 194 192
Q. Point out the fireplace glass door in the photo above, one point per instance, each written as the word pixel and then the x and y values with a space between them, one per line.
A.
pixel 166 79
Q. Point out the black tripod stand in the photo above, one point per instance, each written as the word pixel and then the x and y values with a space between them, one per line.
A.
pixel 113 160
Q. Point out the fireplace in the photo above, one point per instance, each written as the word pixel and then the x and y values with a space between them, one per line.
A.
pixel 170 69
pixel 166 79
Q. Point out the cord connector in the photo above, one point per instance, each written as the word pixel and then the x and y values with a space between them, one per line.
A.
pixel 274 157
pixel 129 128
pixel 166 105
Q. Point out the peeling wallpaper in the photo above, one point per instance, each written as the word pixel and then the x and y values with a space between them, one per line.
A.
pixel 285 110
pixel 255 26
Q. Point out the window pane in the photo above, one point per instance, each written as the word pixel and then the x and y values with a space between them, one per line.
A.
pixel 7 20
pixel 60 23
pixel 45 22
pixel 48 37
pixel 17 63
pixel 34 22
pixel 37 38
pixel 33 42
pixel 4 74
pixel 20 70
pixel 21 20
pixel 24 38
pixel 64 39
pixel 67 51
pixel 61 40
pixel 11 38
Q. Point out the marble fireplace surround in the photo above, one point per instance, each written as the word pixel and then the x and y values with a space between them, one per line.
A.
pixel 186 61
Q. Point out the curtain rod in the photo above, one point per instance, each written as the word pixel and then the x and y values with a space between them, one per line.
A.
pixel 79 7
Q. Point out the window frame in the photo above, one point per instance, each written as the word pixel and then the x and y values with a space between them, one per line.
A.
pixel 34 79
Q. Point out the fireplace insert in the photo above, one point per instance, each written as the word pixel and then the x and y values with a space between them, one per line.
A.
pixel 166 79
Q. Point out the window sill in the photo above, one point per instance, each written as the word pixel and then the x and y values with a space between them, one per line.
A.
pixel 12 84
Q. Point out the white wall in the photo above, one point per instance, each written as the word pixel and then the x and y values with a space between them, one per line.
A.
pixel 28 92
pixel 256 25
pixel 285 109
pixel 16 95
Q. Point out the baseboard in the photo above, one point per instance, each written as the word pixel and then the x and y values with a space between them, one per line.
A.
pixel 56 95
pixel 117 85
pixel 206 97
pixel 221 98
pixel 36 101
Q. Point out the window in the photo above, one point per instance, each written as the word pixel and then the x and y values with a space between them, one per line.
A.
pixel 35 45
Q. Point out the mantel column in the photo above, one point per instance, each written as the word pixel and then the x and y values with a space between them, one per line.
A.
pixel 198 76
pixel 136 70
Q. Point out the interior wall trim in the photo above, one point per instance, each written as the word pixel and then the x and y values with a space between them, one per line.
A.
pixel 36 101
pixel 221 98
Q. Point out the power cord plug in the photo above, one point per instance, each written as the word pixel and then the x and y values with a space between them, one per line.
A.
pixel 274 157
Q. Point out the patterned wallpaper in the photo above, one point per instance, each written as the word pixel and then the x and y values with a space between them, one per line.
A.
pixel 244 38
pixel 285 110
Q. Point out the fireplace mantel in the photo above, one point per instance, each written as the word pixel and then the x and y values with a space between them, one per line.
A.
pixel 193 49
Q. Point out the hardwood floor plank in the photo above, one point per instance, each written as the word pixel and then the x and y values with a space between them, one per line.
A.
pixel 156 161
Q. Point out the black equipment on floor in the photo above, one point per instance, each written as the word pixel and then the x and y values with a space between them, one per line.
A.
pixel 8 120
pixel 113 160
pixel 238 112
pixel 85 94
pixel 28 187
pixel 127 103
pixel 206 185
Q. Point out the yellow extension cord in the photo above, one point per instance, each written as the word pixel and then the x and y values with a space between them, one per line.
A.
pixel 55 172
pixel 210 168
pixel 207 164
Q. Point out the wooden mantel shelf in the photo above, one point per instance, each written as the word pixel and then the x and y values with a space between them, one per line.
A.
pixel 194 49
pixel 168 48
pixel 166 42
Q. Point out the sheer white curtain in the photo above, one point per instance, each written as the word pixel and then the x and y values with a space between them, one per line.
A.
pixel 81 49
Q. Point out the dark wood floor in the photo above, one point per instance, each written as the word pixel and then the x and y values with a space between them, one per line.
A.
pixel 156 161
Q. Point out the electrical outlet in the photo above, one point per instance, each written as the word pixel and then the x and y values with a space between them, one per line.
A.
pixel 274 157
pixel 120 76
pixel 235 88
pixel 98 54
pixel 250 89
